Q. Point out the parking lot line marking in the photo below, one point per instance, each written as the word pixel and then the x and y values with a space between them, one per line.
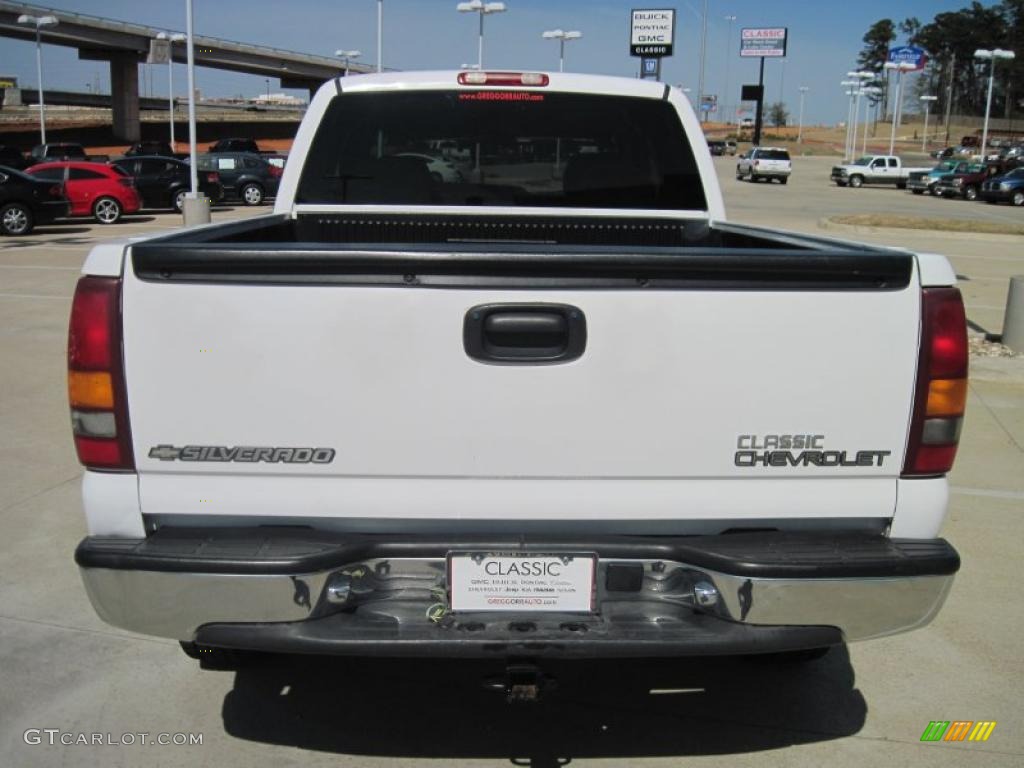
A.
pixel 992 493
pixel 33 296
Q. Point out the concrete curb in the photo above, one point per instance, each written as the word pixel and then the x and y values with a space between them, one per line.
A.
pixel 827 223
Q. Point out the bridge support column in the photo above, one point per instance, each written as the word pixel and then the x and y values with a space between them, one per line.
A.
pixel 124 91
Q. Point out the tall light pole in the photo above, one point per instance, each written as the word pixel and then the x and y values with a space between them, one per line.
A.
pixel 703 50
pixel 196 209
pixel 859 77
pixel 380 36
pixel 800 131
pixel 981 53
pixel 728 59
pixel 867 90
pixel 849 85
pixel 39 22
pixel 347 56
pixel 175 37
pixel 562 37
pixel 482 8
pixel 927 101
pixel 900 67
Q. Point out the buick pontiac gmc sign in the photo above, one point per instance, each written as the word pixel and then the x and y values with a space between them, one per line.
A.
pixel 651 33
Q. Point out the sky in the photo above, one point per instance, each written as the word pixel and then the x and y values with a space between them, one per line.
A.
pixel 824 39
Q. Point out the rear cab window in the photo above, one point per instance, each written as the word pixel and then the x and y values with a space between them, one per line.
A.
pixel 501 148
pixel 772 154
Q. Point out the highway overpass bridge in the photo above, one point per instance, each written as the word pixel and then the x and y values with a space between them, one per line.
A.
pixel 125 45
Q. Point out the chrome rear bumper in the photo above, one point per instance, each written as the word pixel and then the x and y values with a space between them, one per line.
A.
pixel 396 591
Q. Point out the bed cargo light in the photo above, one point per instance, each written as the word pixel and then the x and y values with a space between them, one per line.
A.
pixel 96 391
pixel 941 394
pixel 537 79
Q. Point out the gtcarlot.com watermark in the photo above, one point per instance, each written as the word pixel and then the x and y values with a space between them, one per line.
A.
pixel 56 737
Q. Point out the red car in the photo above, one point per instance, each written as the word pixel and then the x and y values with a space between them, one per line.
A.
pixel 94 189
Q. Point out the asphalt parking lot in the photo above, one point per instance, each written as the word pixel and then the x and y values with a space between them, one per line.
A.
pixel 868 704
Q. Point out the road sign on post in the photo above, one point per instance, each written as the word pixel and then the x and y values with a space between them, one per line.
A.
pixel 159 52
pixel 652 32
pixel 770 42
pixel 762 42
pixel 909 54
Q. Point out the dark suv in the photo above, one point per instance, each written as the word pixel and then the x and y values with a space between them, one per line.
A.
pixel 234 145
pixel 42 153
pixel 244 176
pixel 140 148
pixel 163 181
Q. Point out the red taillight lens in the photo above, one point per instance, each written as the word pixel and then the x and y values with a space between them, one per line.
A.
pixel 129 182
pixel 213 178
pixel 533 79
pixel 96 390
pixel 56 190
pixel 941 392
pixel 274 170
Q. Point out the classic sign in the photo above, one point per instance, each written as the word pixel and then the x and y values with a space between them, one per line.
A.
pixel 769 41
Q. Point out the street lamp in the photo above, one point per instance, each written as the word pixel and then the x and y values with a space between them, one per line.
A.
pixel 196 209
pixel 482 8
pixel 859 79
pixel 849 85
pixel 927 101
pixel 172 38
pixel 380 36
pixel 981 53
pixel 868 90
pixel 39 22
pixel 800 131
pixel 728 59
pixel 900 67
pixel 561 37
pixel 346 56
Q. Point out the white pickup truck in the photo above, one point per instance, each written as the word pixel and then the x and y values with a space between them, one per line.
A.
pixel 553 406
pixel 874 169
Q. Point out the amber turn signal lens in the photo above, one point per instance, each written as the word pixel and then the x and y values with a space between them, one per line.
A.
pixel 90 389
pixel 946 397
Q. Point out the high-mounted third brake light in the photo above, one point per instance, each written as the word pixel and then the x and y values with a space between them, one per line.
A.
pixel 534 79
pixel 941 393
pixel 96 391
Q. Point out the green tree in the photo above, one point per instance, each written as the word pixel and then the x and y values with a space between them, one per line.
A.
pixel 778 115
pixel 873 56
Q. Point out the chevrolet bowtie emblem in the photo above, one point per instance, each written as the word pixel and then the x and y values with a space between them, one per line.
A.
pixel 164 452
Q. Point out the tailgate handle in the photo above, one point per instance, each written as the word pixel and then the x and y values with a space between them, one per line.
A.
pixel 524 333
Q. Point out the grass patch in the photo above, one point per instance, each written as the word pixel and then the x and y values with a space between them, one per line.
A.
pixel 935 225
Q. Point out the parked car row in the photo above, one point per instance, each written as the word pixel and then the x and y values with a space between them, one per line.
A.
pixel 992 181
pixel 53 189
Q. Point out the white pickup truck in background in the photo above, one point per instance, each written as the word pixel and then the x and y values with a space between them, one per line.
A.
pixel 552 405
pixel 874 169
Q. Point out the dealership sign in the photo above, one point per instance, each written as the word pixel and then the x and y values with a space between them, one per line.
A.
pixel 651 32
pixel 763 41
pixel 909 54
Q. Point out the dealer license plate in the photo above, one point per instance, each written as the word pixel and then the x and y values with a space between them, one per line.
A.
pixel 521 582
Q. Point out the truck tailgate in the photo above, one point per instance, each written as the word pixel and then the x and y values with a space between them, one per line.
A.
pixel 687 404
